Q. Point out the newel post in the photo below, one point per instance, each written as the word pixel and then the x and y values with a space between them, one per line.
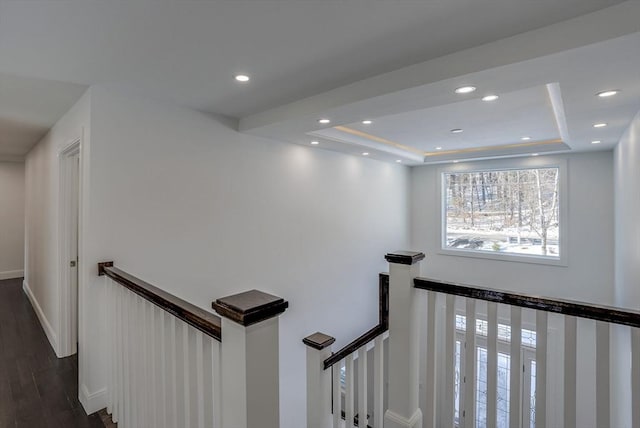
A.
pixel 318 380
pixel 404 346
pixel 250 359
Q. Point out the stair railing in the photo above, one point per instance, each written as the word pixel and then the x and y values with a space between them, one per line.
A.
pixel 505 344
pixel 173 364
pixel 336 380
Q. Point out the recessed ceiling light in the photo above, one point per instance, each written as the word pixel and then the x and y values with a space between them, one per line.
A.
pixel 534 154
pixel 525 138
pixel 456 131
pixel 242 78
pixel 399 160
pixel 609 93
pixel 367 122
pixel 438 148
pixel 365 154
pixel 315 143
pixel 599 125
pixel 324 121
pixel 596 142
pixel 465 89
pixel 490 98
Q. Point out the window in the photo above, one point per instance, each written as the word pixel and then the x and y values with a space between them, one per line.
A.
pixel 503 213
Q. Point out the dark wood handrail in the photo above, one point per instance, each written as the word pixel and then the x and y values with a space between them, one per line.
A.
pixel 558 306
pixel 383 325
pixel 196 317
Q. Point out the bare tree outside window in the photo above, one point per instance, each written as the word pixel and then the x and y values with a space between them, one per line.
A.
pixel 508 211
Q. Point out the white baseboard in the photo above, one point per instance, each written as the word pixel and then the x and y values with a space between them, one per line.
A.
pixel 48 330
pixel 92 402
pixel 11 274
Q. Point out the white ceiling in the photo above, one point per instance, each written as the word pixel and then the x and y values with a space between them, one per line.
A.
pixel 187 52
pixel 414 108
pixel 28 108
pixel 525 112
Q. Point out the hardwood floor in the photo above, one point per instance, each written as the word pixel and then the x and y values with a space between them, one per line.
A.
pixel 36 388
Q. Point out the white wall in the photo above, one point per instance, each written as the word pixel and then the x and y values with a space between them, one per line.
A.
pixel 627 212
pixel 627 258
pixel 11 220
pixel 589 274
pixel 41 216
pixel 182 200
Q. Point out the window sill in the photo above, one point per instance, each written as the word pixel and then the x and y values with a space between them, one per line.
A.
pixel 503 257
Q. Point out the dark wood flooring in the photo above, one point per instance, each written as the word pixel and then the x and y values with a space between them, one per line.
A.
pixel 36 388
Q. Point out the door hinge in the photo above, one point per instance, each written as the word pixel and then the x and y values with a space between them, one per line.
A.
pixel 72 263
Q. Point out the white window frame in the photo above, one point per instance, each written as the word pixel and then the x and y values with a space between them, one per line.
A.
pixel 502 165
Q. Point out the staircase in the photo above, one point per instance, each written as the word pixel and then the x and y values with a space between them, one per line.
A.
pixel 453 355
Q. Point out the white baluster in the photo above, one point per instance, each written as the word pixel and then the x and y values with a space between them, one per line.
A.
pixel 217 384
pixel 362 386
pixel 492 364
pixel 348 396
pixel 135 360
pixel 160 373
pixel 429 417
pixel 119 411
pixel 207 385
pixel 200 378
pixel 635 376
pixel 181 410
pixel 603 416
pixel 111 296
pixel 541 369
pixel 515 377
pixel 570 375
pixel 145 356
pixel 194 392
pixel 172 380
pixel 470 366
pixel 111 340
pixel 378 383
pixel 152 381
pixel 128 399
pixel 449 354
pixel 113 393
pixel 337 395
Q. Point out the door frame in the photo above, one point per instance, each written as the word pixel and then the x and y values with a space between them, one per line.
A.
pixel 66 344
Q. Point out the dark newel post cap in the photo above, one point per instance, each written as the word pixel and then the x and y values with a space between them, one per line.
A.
pixel 250 307
pixel 103 265
pixel 404 257
pixel 318 341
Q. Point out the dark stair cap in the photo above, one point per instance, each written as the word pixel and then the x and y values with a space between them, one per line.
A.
pixel 404 257
pixel 250 307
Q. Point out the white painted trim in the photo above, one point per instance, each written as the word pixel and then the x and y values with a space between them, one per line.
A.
pixel 92 401
pixel 395 420
pixel 46 326
pixel 11 274
pixel 65 327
